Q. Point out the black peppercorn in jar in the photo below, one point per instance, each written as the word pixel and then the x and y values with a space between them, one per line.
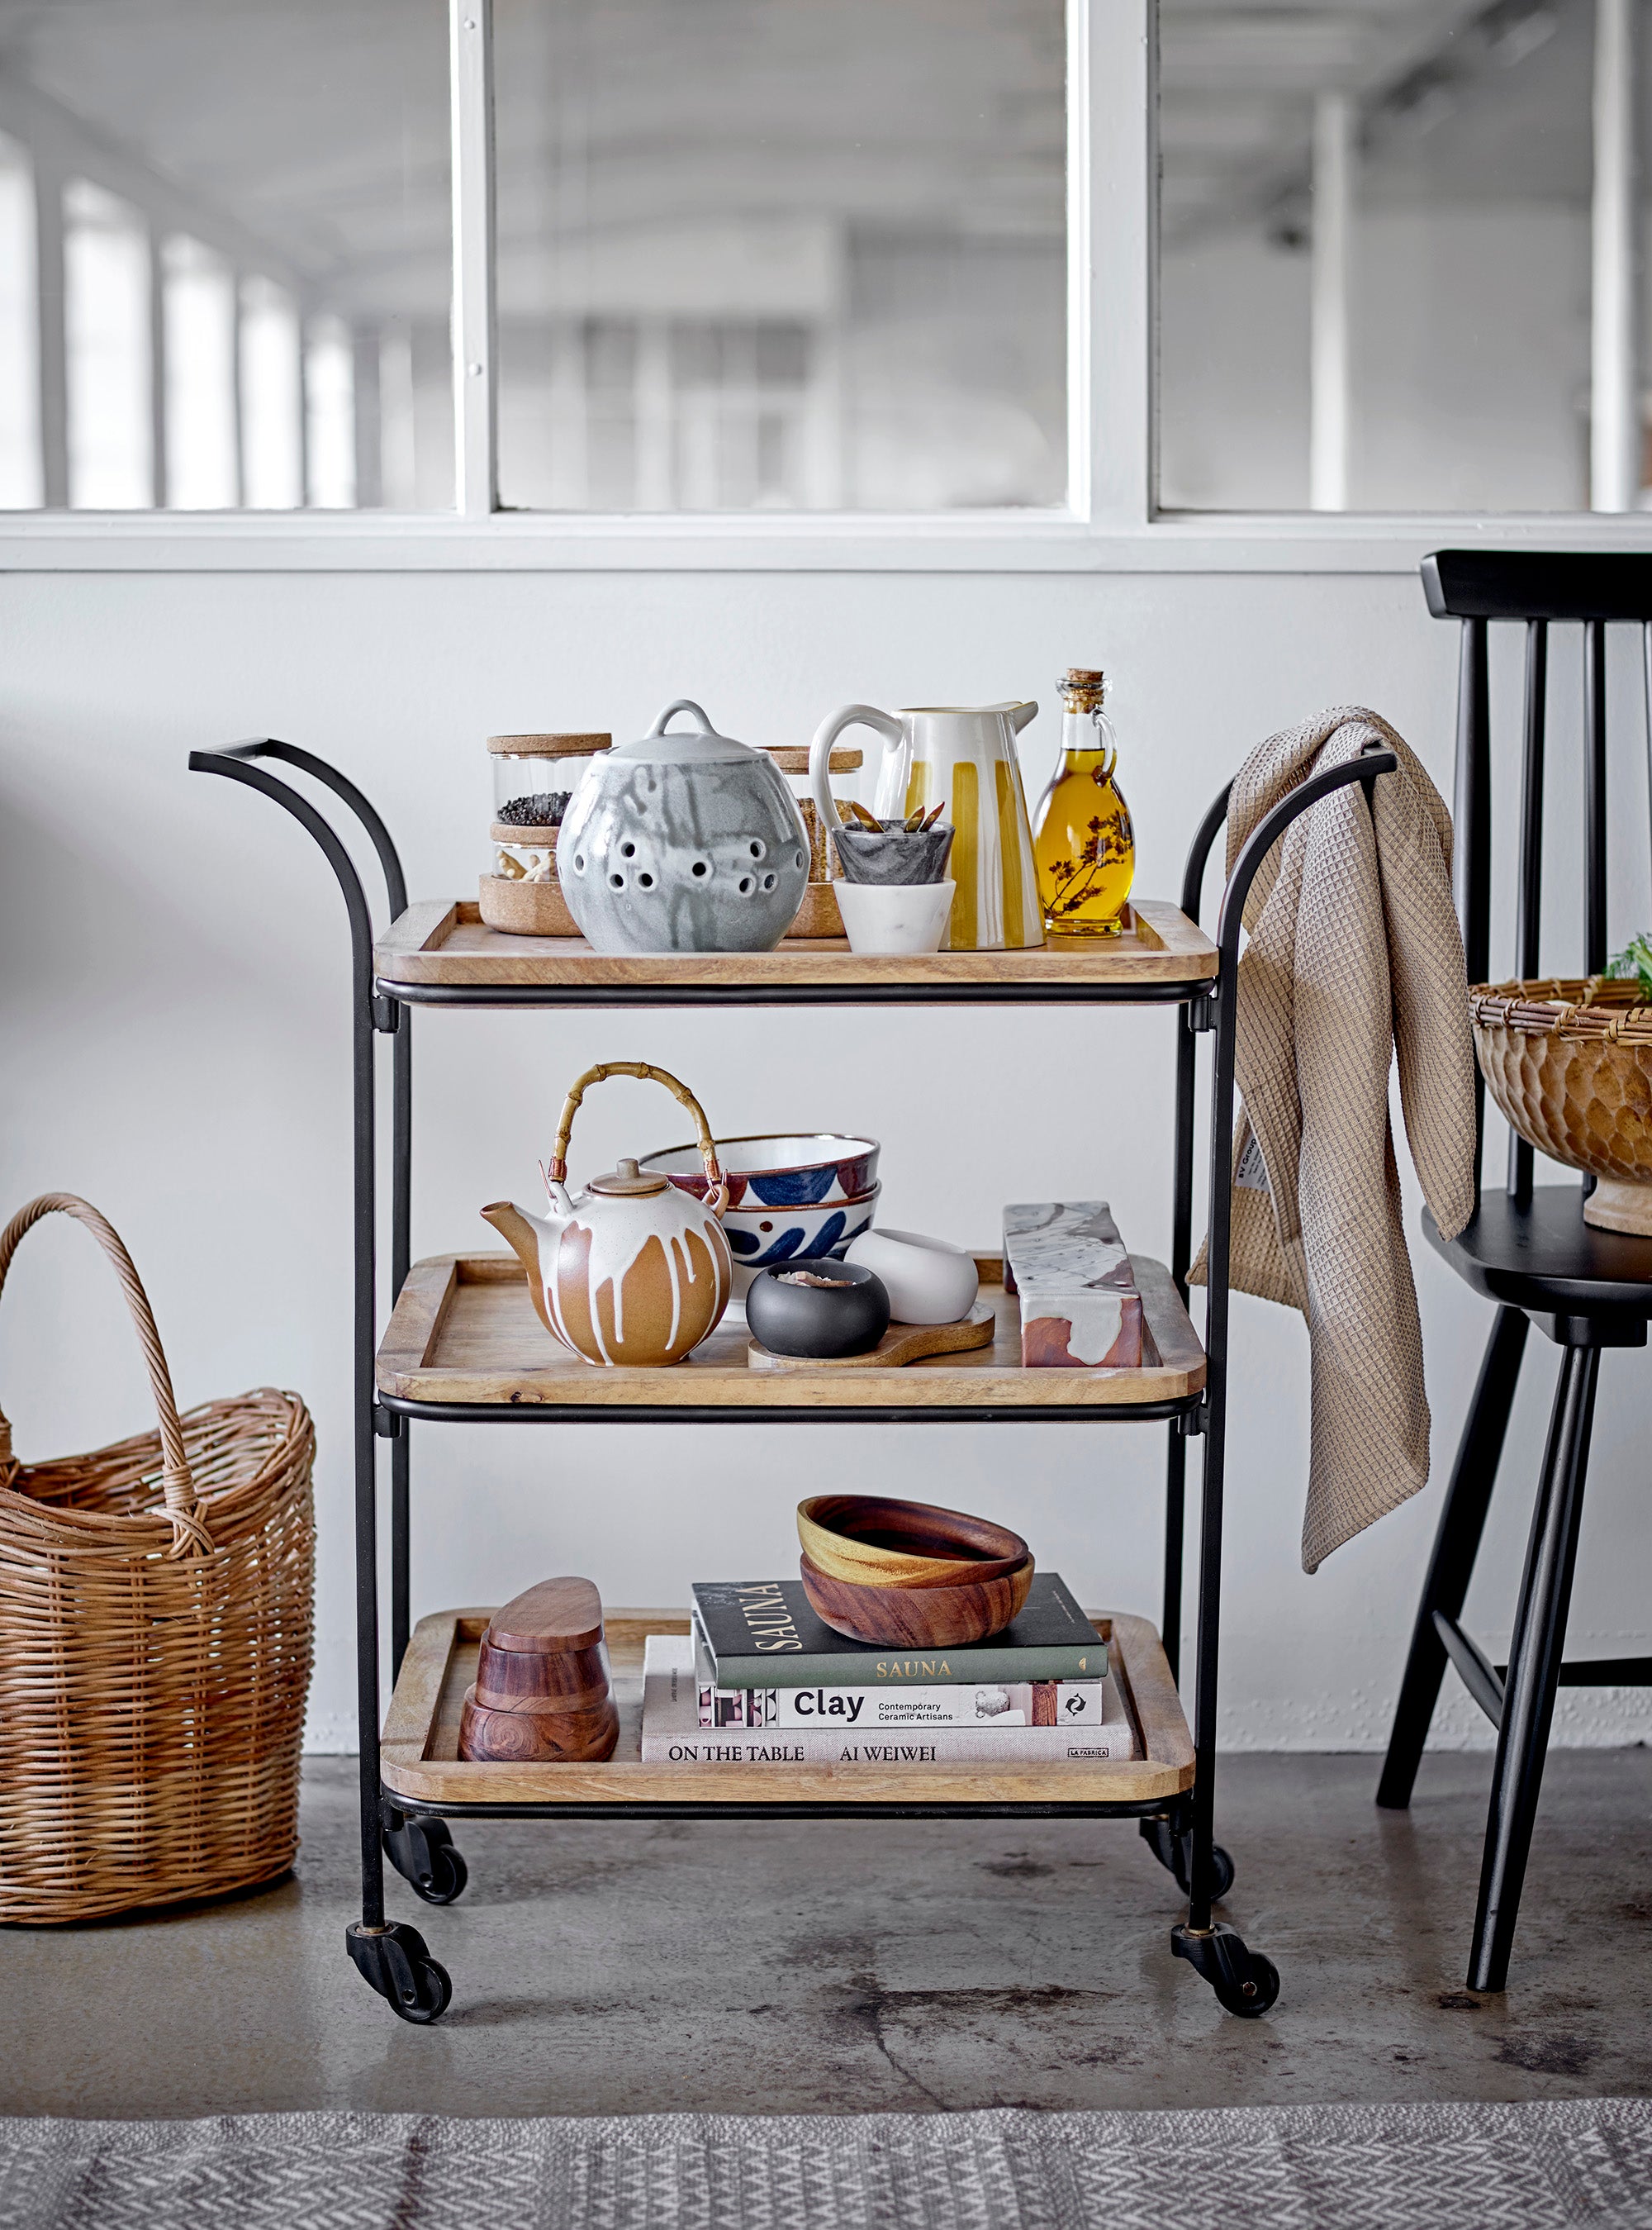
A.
pixel 534 779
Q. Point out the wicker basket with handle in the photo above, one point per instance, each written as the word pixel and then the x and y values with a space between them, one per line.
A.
pixel 1569 1060
pixel 155 1643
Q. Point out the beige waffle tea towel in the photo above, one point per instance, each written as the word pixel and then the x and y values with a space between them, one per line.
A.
pixel 1354 951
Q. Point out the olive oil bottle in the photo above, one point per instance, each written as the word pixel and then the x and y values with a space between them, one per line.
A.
pixel 1081 838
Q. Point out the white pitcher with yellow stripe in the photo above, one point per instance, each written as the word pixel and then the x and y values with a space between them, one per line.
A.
pixel 963 756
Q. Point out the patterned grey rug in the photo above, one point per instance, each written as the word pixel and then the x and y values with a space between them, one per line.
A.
pixel 1469 2167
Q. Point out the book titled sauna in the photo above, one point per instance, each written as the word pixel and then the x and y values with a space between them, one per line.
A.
pixel 764 1634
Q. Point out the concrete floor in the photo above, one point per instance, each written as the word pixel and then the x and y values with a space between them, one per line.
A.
pixel 850 1967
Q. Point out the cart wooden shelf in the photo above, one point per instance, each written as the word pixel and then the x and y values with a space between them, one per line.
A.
pixel 463 1334
pixel 437 952
pixel 420 1764
pixel 463 1346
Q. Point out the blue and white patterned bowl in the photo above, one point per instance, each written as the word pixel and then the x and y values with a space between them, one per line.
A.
pixel 758 1235
pixel 778 1169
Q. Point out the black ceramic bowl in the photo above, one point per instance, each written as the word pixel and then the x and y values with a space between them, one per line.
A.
pixel 846 1318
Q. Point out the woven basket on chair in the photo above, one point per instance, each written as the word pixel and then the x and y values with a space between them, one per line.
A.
pixel 1570 1064
pixel 155 1643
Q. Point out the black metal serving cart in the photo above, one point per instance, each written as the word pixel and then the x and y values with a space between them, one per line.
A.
pixel 462 1347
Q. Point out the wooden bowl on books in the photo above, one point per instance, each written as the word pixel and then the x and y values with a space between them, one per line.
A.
pixel 875 1541
pixel 918 1618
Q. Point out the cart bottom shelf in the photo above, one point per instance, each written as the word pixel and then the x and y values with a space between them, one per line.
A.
pixel 420 1760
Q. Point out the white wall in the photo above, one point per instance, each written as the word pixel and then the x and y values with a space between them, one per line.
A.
pixel 175 1046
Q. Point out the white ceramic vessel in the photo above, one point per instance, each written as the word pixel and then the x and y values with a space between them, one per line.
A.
pixel 895 916
pixel 929 1281
pixel 962 756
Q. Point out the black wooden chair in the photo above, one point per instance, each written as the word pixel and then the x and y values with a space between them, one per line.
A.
pixel 1529 1251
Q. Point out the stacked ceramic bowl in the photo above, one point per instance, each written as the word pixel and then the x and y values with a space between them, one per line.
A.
pixel 793 1196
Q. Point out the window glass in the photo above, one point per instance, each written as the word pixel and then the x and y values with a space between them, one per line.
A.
pixel 1375 258
pixel 765 255
pixel 224 254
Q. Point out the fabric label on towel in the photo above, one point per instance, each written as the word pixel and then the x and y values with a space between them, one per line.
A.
pixel 1252 1171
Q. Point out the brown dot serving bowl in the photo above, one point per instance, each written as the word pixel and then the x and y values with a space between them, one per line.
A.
pixel 878 1541
pixel 918 1618
pixel 1568 1061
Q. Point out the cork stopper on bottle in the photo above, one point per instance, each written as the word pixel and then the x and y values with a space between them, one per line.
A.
pixel 1082 688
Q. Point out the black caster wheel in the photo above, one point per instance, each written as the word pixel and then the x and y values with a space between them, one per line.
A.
pixel 1175 1852
pixel 422 1853
pixel 394 1961
pixel 1245 1982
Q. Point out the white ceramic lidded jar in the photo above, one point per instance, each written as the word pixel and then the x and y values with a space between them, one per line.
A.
pixel 684 843
pixel 534 777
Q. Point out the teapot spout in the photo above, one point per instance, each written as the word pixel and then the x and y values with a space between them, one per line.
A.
pixel 523 1231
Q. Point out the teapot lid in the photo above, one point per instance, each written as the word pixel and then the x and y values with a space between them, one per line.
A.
pixel 628 1181
pixel 704 748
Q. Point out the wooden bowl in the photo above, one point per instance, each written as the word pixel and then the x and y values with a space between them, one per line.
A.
pixel 541 1694
pixel 874 1541
pixel 918 1618
pixel 525 909
pixel 1570 1064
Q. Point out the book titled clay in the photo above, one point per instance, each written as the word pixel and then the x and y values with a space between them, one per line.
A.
pixel 1080 1310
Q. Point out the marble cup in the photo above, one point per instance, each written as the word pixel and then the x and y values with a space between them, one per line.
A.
pixel 893 854
pixel 895 917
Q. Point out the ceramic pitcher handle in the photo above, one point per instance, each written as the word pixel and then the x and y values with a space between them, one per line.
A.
pixel 557 1169
pixel 846 716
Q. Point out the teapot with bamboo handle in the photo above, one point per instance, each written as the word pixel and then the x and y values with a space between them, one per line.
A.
pixel 633 1270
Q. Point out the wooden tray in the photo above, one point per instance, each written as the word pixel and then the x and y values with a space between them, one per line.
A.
pixel 464 1330
pixel 435 942
pixel 420 1759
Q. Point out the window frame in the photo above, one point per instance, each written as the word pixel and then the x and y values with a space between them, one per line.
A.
pixel 1110 524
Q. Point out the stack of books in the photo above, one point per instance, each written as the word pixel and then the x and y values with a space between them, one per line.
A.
pixel 761 1680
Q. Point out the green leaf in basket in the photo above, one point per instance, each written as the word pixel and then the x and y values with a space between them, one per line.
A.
pixel 1635 959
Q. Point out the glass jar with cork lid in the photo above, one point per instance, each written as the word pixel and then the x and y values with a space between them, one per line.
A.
pixel 534 776
pixel 818 915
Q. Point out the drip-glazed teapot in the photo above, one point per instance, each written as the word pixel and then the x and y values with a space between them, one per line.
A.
pixel 963 757
pixel 633 1270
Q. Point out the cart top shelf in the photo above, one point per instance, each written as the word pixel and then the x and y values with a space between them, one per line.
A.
pixel 440 953
pixel 463 1337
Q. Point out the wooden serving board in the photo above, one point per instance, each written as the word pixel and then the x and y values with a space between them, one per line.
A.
pixel 436 942
pixel 419 1757
pixel 900 1344
pixel 464 1330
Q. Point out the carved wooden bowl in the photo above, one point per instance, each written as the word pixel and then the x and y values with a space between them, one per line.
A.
pixel 918 1618
pixel 541 1694
pixel 875 1541
pixel 1568 1061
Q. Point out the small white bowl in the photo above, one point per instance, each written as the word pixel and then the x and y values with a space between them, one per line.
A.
pixel 895 916
pixel 929 1281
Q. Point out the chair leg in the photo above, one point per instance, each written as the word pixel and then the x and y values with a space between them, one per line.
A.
pixel 1534 1668
pixel 1455 1545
